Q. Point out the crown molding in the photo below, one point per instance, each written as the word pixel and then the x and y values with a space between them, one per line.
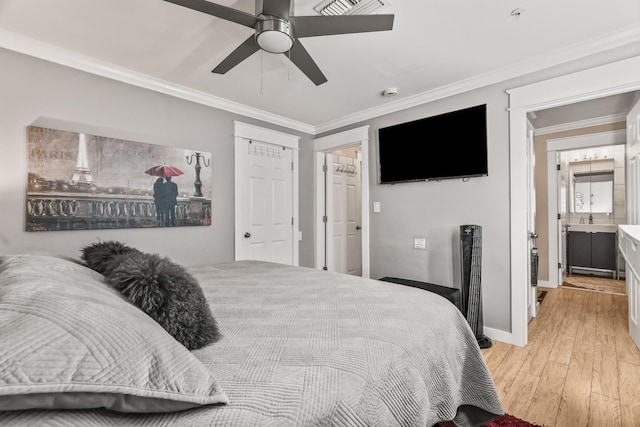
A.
pixel 625 37
pixel 38 49
pixel 596 121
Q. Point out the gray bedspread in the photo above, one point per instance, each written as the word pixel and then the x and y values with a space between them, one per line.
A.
pixel 304 347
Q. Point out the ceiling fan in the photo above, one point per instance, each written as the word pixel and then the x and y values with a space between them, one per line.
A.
pixel 277 31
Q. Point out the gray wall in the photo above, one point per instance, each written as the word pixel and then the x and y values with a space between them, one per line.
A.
pixel 36 92
pixel 40 93
pixel 436 210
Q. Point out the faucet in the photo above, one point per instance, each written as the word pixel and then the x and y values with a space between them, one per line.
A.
pixel 590 219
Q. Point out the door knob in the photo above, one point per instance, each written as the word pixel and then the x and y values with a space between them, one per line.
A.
pixel 247 235
pixel 358 227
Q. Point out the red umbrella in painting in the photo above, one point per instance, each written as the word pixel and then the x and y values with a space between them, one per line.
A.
pixel 164 171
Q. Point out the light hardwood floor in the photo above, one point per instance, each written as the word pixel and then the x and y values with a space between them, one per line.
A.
pixel 580 367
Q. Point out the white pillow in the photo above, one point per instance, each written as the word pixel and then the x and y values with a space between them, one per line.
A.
pixel 70 341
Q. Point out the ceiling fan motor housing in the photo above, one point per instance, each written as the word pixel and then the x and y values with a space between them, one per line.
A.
pixel 274 34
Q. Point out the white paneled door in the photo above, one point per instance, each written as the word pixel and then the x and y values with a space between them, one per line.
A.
pixel 344 200
pixel 633 215
pixel 562 182
pixel 268 212
pixel 532 300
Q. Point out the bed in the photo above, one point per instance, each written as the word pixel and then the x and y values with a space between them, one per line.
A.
pixel 299 347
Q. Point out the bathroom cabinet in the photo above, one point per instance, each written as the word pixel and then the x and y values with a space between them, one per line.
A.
pixel 596 251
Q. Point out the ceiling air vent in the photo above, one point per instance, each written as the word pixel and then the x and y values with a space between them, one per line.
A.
pixel 349 7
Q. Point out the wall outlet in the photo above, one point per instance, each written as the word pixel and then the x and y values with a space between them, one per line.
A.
pixel 420 243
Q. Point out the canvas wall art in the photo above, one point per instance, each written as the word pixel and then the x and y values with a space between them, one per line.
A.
pixel 78 181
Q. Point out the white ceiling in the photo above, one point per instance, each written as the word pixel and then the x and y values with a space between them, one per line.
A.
pixel 436 48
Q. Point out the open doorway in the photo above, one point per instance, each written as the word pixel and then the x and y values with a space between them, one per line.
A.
pixel 592 157
pixel 343 210
pixel 614 78
pixel 342 165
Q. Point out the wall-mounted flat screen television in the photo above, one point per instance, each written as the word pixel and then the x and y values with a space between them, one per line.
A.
pixel 446 146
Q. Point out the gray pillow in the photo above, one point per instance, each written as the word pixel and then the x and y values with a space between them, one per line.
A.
pixel 167 293
pixel 97 255
pixel 69 341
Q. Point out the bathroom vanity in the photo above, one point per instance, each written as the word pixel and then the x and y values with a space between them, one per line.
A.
pixel 593 248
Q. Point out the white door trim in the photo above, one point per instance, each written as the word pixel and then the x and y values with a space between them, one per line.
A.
pixel 243 131
pixel 610 79
pixel 349 138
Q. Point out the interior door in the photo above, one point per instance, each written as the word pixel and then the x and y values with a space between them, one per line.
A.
pixel 532 297
pixel 562 182
pixel 354 218
pixel 344 219
pixel 633 215
pixel 266 205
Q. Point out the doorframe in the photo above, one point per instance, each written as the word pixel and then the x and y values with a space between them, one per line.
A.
pixel 554 147
pixel 532 293
pixel 242 132
pixel 610 79
pixel 349 138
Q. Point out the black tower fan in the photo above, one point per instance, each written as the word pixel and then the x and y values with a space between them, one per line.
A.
pixel 471 290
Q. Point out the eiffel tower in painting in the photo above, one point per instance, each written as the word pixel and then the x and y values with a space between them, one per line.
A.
pixel 82 174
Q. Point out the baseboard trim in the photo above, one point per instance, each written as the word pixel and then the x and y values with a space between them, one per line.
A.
pixel 498 335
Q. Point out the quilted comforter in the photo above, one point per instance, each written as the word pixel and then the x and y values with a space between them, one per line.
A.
pixel 303 347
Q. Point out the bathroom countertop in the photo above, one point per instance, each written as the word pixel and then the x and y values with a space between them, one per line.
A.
pixel 594 228
pixel 633 231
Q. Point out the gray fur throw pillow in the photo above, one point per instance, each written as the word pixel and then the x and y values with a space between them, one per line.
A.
pixel 97 255
pixel 166 292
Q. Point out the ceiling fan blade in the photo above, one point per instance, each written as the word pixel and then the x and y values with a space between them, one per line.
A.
pixel 280 8
pixel 219 11
pixel 242 52
pixel 310 26
pixel 301 58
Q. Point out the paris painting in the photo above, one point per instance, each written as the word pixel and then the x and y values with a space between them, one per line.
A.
pixel 78 181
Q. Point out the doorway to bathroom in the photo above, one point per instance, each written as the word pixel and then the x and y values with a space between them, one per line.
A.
pixel 610 79
pixel 585 195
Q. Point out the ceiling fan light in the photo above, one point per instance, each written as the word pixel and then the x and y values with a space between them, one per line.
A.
pixel 274 35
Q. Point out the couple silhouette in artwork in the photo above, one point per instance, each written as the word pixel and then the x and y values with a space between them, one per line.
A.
pixel 165 196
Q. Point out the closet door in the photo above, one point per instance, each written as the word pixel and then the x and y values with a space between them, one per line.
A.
pixel 633 215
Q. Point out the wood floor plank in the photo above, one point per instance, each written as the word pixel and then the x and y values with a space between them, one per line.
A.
pixel 604 411
pixel 561 350
pixel 630 414
pixel 573 410
pixel 586 335
pixel 629 379
pixel 518 399
pixel 494 355
pixel 626 349
pixel 546 398
pixel 505 373
pixel 538 355
pixel 605 323
pixel 605 367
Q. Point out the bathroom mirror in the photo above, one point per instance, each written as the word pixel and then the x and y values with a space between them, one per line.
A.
pixel 592 192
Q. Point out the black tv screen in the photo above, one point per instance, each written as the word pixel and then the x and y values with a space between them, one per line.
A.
pixel 446 146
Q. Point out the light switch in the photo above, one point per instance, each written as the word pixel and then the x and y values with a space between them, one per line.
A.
pixel 376 207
